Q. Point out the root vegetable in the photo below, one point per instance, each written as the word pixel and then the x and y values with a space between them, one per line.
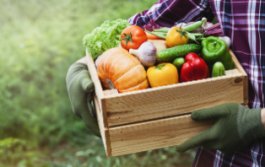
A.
pixel 146 53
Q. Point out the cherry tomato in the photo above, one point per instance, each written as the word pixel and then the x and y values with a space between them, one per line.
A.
pixel 132 37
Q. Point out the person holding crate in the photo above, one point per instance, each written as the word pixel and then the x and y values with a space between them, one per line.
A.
pixel 237 136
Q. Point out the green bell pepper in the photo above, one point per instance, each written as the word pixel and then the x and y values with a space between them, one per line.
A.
pixel 226 59
pixel 213 49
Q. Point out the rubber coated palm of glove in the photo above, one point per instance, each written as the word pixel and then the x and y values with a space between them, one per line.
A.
pixel 235 127
pixel 80 90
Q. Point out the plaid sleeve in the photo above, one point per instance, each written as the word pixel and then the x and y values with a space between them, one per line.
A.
pixel 166 13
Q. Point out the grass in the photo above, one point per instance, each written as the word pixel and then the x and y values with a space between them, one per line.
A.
pixel 38 41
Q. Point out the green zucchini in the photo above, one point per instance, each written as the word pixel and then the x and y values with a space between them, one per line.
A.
pixel 178 62
pixel 168 55
pixel 218 69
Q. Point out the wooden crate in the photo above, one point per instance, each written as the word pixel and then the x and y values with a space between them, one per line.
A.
pixel 160 117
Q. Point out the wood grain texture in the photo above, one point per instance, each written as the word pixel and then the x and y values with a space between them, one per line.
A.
pixel 110 92
pixel 244 74
pixel 104 132
pixel 98 89
pixel 173 100
pixel 153 134
pixel 237 64
pixel 94 76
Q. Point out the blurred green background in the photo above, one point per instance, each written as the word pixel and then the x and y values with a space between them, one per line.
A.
pixel 38 41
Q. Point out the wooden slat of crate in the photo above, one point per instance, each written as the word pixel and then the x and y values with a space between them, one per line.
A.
pixel 104 133
pixel 148 135
pixel 173 100
pixel 244 74
pixel 170 100
pixel 99 95
pixel 152 134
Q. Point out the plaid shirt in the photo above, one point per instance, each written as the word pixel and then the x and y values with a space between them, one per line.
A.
pixel 244 22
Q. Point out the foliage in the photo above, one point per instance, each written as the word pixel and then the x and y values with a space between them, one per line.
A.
pixel 104 37
pixel 16 151
pixel 38 41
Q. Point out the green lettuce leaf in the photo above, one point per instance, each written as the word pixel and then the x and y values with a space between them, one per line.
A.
pixel 104 37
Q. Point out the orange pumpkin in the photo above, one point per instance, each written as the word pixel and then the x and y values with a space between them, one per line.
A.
pixel 117 68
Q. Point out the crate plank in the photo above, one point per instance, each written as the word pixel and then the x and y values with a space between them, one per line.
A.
pixel 242 71
pixel 172 100
pixel 98 88
pixel 110 92
pixel 94 75
pixel 153 134
pixel 103 130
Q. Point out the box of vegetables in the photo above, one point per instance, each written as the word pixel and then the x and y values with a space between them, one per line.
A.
pixel 148 82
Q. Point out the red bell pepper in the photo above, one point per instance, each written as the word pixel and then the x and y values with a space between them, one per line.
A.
pixel 194 68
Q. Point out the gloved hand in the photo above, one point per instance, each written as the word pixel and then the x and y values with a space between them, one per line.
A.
pixel 81 92
pixel 235 127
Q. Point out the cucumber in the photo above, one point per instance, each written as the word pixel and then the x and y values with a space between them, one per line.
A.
pixel 168 55
pixel 178 62
pixel 218 69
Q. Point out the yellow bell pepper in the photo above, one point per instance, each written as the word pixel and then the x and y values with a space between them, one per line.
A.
pixel 162 74
pixel 176 36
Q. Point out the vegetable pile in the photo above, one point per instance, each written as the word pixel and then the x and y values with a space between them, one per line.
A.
pixel 136 59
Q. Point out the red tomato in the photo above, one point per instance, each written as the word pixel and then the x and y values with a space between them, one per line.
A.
pixel 132 37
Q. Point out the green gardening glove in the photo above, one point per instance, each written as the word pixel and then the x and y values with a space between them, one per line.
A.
pixel 235 127
pixel 81 92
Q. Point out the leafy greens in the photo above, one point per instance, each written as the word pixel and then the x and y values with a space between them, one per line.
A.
pixel 104 37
